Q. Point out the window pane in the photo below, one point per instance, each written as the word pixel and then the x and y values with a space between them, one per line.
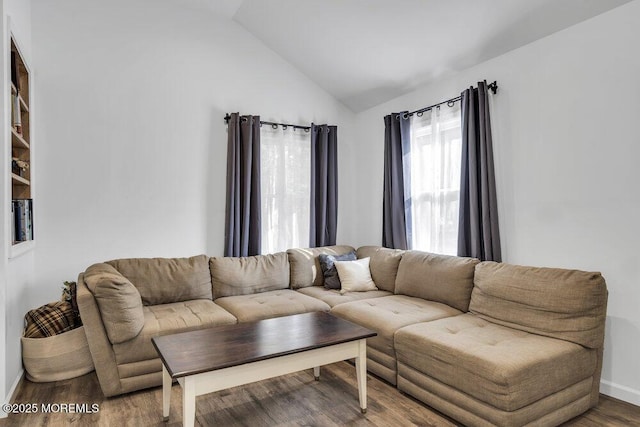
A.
pixel 436 143
pixel 285 163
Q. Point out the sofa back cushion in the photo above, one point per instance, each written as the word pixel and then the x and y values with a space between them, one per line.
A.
pixel 383 265
pixel 167 280
pixel 119 302
pixel 440 278
pixel 305 266
pixel 565 304
pixel 249 275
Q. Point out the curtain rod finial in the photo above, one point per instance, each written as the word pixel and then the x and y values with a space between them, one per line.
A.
pixel 227 117
pixel 494 87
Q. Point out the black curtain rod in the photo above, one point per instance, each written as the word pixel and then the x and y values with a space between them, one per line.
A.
pixel 450 102
pixel 274 125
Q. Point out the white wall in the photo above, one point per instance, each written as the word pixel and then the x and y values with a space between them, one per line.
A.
pixel 130 134
pixel 132 140
pixel 17 295
pixel 567 146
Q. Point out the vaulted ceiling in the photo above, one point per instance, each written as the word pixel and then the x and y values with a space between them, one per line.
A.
pixel 366 52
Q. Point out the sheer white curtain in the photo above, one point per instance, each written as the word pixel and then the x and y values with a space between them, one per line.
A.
pixel 285 162
pixel 436 140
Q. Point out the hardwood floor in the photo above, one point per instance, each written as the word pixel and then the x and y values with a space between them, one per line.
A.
pixel 290 400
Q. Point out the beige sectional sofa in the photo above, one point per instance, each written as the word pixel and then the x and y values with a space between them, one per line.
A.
pixel 485 343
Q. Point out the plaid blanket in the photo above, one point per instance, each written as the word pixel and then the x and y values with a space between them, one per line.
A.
pixel 50 319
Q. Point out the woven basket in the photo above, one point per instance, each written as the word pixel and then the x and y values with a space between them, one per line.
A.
pixel 56 358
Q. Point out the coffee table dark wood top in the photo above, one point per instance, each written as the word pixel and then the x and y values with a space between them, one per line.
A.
pixel 219 347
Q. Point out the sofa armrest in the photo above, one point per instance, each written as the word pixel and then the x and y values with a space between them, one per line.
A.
pixel 118 300
pixel 101 350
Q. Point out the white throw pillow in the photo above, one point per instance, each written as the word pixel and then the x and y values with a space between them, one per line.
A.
pixel 355 276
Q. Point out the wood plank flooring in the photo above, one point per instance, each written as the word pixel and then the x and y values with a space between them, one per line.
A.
pixel 290 400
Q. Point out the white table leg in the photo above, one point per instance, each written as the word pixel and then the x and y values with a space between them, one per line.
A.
pixel 166 393
pixel 361 373
pixel 188 402
pixel 316 373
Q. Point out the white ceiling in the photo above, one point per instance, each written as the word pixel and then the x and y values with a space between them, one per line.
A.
pixel 366 52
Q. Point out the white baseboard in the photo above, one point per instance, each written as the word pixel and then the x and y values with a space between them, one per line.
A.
pixel 12 390
pixel 620 392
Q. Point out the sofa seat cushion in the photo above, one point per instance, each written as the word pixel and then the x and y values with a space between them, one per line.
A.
pixel 333 297
pixel 386 315
pixel 265 305
pixel 166 319
pixel 503 367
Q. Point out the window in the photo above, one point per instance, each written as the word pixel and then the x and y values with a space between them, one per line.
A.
pixel 436 143
pixel 285 186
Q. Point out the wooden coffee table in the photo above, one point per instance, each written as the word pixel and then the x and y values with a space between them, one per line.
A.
pixel 226 356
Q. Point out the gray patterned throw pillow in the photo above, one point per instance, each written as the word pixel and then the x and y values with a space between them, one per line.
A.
pixel 331 279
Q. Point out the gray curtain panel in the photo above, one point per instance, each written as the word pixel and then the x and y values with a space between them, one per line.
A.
pixel 243 219
pixel 324 185
pixel 396 210
pixel 478 232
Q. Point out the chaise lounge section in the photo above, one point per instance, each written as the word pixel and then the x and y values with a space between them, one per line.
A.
pixel 485 343
pixel 529 352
